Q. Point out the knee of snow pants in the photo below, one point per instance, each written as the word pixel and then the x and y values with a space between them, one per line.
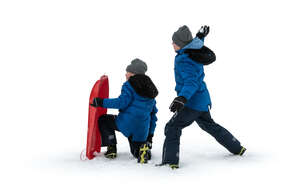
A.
pixel 107 127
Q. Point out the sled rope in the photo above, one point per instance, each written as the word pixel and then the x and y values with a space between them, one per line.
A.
pixel 83 155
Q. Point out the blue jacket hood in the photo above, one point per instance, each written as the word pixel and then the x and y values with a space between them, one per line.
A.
pixel 143 86
pixel 196 43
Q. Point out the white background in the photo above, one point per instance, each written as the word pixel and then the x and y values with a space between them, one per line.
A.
pixel 52 52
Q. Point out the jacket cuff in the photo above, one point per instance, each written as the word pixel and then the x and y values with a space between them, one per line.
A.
pixel 104 101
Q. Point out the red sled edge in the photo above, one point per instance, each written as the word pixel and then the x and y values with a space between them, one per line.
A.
pixel 101 90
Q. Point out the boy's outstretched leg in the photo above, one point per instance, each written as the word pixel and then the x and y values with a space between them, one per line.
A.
pixel 173 130
pixel 107 129
pixel 223 136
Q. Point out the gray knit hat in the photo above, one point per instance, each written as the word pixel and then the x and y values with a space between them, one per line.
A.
pixel 182 36
pixel 137 66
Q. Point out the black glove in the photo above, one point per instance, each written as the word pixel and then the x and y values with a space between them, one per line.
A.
pixel 149 141
pixel 97 102
pixel 177 104
pixel 203 31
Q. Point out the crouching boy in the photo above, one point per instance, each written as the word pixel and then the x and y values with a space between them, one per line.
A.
pixel 137 114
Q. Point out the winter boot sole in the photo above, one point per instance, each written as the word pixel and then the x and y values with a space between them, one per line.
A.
pixel 111 155
pixel 242 151
pixel 172 166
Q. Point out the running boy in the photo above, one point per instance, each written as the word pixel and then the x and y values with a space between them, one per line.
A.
pixel 193 101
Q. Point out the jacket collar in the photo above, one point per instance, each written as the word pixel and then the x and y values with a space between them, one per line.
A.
pixel 196 43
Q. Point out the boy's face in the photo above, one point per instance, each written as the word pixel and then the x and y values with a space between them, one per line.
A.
pixel 128 75
pixel 175 47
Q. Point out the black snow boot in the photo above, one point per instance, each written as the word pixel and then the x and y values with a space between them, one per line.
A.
pixel 149 144
pixel 111 152
pixel 172 166
pixel 144 154
pixel 242 151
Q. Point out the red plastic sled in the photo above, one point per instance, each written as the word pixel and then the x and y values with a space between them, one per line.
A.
pixel 100 89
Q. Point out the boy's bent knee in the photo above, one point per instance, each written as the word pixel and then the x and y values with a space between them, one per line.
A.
pixel 106 118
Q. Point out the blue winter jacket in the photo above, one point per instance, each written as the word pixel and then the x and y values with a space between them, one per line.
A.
pixel 189 77
pixel 137 106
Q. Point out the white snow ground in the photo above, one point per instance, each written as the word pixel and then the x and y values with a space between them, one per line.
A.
pixel 52 52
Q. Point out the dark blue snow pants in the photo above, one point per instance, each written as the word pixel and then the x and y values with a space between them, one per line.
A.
pixel 107 127
pixel 185 118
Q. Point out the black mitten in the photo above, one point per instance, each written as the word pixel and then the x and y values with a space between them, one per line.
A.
pixel 202 33
pixel 97 102
pixel 177 104
pixel 149 141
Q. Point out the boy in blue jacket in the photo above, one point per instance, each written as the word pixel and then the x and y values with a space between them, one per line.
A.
pixel 137 114
pixel 193 101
